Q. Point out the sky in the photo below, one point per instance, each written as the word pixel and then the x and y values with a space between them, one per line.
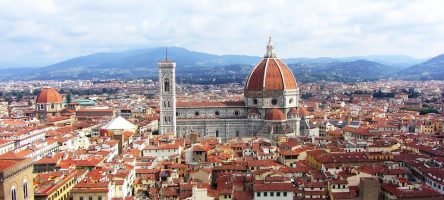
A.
pixel 42 32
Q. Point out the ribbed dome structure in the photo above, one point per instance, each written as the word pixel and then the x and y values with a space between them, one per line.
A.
pixel 271 74
pixel 275 114
pixel 49 95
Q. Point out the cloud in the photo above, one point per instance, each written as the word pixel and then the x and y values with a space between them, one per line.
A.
pixel 40 32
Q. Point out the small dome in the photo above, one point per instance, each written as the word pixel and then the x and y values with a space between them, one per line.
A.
pixel 49 95
pixel 253 111
pixel 271 74
pixel 303 111
pixel 275 114
pixel 293 111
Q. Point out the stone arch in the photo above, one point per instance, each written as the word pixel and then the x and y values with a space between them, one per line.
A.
pixel 25 187
pixel 166 103
pixel 13 191
pixel 166 85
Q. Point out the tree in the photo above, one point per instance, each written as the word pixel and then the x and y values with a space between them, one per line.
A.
pixel 69 98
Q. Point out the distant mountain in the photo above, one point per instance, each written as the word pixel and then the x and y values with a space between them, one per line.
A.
pixel 354 71
pixel 150 57
pixel 129 64
pixel 199 67
pixel 399 61
pixel 432 69
pixel 310 60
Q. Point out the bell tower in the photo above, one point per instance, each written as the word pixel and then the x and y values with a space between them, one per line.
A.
pixel 167 86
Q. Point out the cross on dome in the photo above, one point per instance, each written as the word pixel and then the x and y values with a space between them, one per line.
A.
pixel 270 53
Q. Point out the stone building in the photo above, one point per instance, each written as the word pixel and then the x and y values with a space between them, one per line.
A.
pixel 48 103
pixel 16 179
pixel 270 105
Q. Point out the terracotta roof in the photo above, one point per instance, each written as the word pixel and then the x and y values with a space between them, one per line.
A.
pixel 303 111
pixel 275 114
pixel 271 74
pixel 293 111
pixel 6 164
pixel 422 192
pixel 49 95
pixel 273 187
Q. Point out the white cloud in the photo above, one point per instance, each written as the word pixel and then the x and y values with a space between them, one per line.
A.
pixel 46 31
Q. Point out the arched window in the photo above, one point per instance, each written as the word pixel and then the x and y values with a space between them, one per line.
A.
pixel 217 133
pixel 236 113
pixel 166 85
pixel 25 189
pixel 13 193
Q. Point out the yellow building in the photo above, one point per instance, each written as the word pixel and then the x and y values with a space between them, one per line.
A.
pixel 428 128
pixel 96 191
pixel 16 179
pixel 54 185
pixel 438 126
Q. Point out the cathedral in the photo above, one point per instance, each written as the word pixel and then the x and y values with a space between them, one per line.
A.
pixel 269 109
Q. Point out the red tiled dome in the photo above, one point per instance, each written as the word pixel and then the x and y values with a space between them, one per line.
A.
pixel 275 114
pixel 271 74
pixel 49 95
pixel 303 111
pixel 293 111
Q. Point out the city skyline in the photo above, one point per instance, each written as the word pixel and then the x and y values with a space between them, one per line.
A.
pixel 221 100
pixel 45 32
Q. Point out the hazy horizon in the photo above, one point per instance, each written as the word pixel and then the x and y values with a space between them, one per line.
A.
pixel 118 51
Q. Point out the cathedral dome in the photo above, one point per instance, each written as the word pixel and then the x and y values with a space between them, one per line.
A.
pixel 275 114
pixel 49 95
pixel 271 74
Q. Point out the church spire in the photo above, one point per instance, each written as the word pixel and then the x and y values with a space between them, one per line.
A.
pixel 270 53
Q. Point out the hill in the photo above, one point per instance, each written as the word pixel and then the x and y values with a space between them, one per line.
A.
pixel 199 67
pixel 432 69
pixel 354 71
